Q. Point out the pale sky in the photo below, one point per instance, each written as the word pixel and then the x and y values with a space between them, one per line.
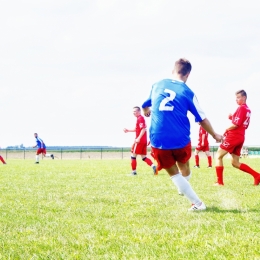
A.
pixel 72 70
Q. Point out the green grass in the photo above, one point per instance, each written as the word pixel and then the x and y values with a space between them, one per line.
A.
pixel 93 209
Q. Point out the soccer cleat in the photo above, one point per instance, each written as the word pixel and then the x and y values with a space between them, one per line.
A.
pixel 257 180
pixel 52 156
pixel 134 173
pixel 196 166
pixel 36 162
pixel 155 172
pixel 218 184
pixel 209 167
pixel 195 207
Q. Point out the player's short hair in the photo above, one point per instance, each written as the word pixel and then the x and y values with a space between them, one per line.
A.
pixel 242 93
pixel 138 108
pixel 182 66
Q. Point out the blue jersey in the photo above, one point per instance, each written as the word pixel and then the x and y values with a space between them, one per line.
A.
pixel 170 100
pixel 40 143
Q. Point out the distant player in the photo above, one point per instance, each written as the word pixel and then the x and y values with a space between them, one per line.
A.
pixel 234 138
pixel 140 144
pixel 203 145
pixel 2 160
pixel 41 148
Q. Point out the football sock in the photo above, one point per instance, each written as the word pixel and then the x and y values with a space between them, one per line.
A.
pixel 197 160
pixel 210 160
pixel 184 187
pixel 133 163
pixel 219 173
pixel 2 159
pixel 47 155
pixel 245 168
pixel 188 177
pixel 148 161
pixel 37 158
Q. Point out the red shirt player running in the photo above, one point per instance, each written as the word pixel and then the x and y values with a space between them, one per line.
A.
pixel 234 138
pixel 203 146
pixel 140 145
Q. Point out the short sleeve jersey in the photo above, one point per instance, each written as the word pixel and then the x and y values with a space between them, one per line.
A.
pixel 140 124
pixel 40 143
pixel 170 101
pixel 241 118
pixel 203 142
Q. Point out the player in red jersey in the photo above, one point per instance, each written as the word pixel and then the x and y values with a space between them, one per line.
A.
pixel 140 145
pixel 233 140
pixel 2 160
pixel 203 146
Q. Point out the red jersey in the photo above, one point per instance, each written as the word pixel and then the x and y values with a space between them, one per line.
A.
pixel 203 141
pixel 241 118
pixel 140 124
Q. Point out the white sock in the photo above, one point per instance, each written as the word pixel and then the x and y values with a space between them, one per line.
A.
pixel 47 155
pixel 37 158
pixel 188 177
pixel 184 187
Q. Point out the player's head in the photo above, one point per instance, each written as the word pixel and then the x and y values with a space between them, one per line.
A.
pixel 182 68
pixel 136 111
pixel 241 97
pixel 35 135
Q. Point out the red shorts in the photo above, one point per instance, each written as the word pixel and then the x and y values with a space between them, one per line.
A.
pixel 41 150
pixel 139 148
pixel 167 158
pixel 233 144
pixel 202 148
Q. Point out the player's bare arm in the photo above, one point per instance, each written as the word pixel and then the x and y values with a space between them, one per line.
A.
pixel 137 140
pixel 128 130
pixel 147 111
pixel 208 127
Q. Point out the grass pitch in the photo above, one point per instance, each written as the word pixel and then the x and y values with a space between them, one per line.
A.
pixel 93 209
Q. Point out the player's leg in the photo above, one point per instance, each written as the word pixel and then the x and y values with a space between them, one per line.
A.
pixel 245 168
pixel 219 165
pixel 2 160
pixel 149 162
pixel 184 168
pixel 133 159
pixel 38 152
pixel 197 159
pixel 48 154
pixel 209 158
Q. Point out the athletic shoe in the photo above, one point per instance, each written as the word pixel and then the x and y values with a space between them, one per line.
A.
pixel 209 167
pixel 36 162
pixel 218 184
pixel 201 206
pixel 52 156
pixel 155 172
pixel 134 173
pixel 196 166
pixel 257 180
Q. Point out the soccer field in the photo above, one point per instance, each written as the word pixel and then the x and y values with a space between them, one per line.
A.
pixel 93 209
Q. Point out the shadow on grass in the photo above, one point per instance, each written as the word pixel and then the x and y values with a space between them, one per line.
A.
pixel 235 211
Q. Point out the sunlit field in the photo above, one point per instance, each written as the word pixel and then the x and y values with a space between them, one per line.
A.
pixel 93 209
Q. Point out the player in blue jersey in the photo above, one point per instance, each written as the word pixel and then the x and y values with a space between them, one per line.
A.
pixel 168 104
pixel 41 148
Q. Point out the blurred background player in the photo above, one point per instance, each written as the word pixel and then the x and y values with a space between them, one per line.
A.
pixel 203 145
pixel 41 148
pixel 234 138
pixel 2 160
pixel 140 145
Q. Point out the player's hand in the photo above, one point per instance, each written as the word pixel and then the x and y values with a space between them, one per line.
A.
pixel 230 116
pixel 137 140
pixel 147 111
pixel 218 138
pixel 125 130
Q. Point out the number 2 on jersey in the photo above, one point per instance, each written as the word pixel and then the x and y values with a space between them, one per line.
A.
pixel 163 103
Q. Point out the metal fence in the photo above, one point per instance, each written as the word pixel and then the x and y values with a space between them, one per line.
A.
pixel 95 153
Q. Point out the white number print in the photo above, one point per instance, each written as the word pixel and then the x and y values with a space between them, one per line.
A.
pixel 246 122
pixel 163 103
